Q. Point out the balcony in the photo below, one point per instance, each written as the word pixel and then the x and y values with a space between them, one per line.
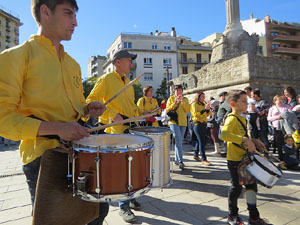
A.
pixel 287 51
pixel 192 61
pixel 286 38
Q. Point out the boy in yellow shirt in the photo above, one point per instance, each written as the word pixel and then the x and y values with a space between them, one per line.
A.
pixel 235 134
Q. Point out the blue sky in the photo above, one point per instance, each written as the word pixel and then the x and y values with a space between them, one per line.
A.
pixel 100 22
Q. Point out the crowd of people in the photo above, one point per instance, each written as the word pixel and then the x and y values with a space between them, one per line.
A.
pixel 42 103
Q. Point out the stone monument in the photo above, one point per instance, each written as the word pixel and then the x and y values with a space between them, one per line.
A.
pixel 235 65
pixel 234 41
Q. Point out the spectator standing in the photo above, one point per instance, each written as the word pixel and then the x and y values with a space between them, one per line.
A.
pixel 181 106
pixel 262 106
pixel 290 96
pixel 274 117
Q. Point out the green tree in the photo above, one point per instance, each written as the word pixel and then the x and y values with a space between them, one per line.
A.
pixel 88 85
pixel 138 91
pixel 162 91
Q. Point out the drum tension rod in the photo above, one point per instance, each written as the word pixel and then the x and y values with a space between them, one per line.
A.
pixel 129 173
pixel 97 159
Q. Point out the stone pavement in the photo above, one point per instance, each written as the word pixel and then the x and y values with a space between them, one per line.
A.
pixel 198 195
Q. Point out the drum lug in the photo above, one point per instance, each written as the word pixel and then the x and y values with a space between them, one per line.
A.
pixel 129 172
pixel 98 188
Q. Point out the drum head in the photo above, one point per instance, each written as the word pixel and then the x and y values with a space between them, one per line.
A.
pixel 149 130
pixel 113 142
pixel 268 165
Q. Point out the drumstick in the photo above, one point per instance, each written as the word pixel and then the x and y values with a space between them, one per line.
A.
pixel 133 119
pixel 274 157
pixel 123 89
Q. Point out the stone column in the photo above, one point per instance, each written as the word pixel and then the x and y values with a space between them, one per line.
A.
pixel 233 17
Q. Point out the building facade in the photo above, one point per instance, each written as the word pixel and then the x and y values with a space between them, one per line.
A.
pixel 9 29
pixel 156 56
pixel 278 39
pixel 95 66
pixel 192 56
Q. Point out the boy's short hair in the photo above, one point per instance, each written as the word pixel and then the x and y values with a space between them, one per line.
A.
pixel 287 136
pixel 234 95
pixel 256 92
pixel 178 86
pixel 248 88
pixel 51 4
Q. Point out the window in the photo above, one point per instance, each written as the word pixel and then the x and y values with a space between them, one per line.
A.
pixel 0 32
pixel 113 53
pixel 167 62
pixel 127 45
pixel 166 76
pixel 274 33
pixel 154 47
pixel 261 50
pixel 184 70
pixel 167 47
pixel 183 57
pixel 198 58
pixel 275 45
pixel 119 46
pixel 148 61
pixel 209 57
pixel 148 77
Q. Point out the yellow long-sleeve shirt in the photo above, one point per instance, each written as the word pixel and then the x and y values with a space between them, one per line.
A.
pixel 233 132
pixel 199 113
pixel 33 81
pixel 144 104
pixel 106 87
pixel 182 110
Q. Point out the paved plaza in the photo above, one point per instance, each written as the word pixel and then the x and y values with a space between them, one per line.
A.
pixel 198 195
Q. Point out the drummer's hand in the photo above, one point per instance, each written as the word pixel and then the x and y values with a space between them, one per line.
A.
pixel 259 144
pixel 94 109
pixel 72 131
pixel 118 117
pixel 248 144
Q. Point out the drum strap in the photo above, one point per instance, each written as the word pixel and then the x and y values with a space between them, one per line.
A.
pixel 245 129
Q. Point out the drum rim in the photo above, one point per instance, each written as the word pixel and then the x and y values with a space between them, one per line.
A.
pixel 253 158
pixel 115 148
pixel 136 130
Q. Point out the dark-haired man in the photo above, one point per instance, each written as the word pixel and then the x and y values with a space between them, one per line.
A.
pixel 262 107
pixel 41 94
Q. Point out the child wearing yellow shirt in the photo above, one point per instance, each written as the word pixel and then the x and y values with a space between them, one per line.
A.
pixel 235 134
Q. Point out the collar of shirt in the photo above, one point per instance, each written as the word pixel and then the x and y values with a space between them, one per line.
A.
pixel 48 44
pixel 116 74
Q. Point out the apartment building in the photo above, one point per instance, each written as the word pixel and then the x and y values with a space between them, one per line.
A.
pixel 9 29
pixel 95 66
pixel 192 56
pixel 281 39
pixel 156 56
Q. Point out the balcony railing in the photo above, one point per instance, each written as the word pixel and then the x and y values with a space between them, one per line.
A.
pixel 286 50
pixel 288 38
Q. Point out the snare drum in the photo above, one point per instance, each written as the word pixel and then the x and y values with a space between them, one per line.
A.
pixel 161 155
pixel 112 167
pixel 265 172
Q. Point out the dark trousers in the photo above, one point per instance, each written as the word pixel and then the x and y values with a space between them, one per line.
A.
pixel 200 132
pixel 279 138
pixel 235 191
pixel 31 171
pixel 263 136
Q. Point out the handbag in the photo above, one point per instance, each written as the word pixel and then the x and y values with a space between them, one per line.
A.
pixel 173 115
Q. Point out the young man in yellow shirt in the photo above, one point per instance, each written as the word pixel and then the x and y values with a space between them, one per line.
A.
pixel 41 91
pixel 120 108
pixel 238 143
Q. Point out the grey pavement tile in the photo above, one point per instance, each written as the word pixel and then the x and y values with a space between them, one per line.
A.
pixel 21 221
pixel 17 187
pixel 295 222
pixel 15 214
pixel 13 194
pixel 277 214
pixel 16 202
pixel 3 189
